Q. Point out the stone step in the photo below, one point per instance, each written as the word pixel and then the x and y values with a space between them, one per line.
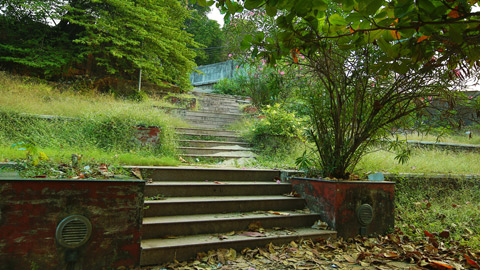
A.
pixel 215 188
pixel 210 125
pixel 159 227
pixel 234 150
pixel 203 143
pixel 218 109
pixel 155 251
pixel 222 204
pixel 202 174
pixel 210 121
pixel 225 138
pixel 210 114
pixel 199 115
pixel 222 155
pixel 206 132
pixel 216 96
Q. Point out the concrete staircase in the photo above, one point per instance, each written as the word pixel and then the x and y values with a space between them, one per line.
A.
pixel 190 210
pixel 208 136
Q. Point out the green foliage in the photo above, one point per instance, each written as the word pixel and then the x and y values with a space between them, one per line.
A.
pixel 264 84
pixel 31 152
pixel 232 86
pixel 207 34
pixel 413 31
pixel 245 27
pixel 97 38
pixel 353 101
pixel 276 121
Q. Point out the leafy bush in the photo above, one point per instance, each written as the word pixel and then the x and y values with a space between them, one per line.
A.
pixel 232 86
pixel 276 121
pixel 265 84
pixel 276 132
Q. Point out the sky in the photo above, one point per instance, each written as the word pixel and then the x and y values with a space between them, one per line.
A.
pixel 214 14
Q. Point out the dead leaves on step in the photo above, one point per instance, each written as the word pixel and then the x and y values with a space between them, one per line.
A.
pixel 393 251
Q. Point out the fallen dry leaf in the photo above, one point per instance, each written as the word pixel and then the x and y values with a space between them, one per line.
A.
pixel 445 234
pixel 253 234
pixel 440 265
pixel 471 262
pixel 279 213
pixel 137 173
pixel 222 237
pixel 255 226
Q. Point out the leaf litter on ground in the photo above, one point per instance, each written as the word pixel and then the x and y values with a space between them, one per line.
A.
pixel 391 251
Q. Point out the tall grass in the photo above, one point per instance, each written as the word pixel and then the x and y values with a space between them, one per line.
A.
pixel 457 137
pixel 97 125
pixel 26 95
pixel 422 161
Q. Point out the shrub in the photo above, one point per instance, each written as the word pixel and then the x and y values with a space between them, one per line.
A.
pixel 266 85
pixel 275 129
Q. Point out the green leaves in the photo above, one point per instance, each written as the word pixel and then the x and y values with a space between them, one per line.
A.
pixel 246 42
pixel 253 4
pixel 337 19
pixel 271 10
pixel 369 7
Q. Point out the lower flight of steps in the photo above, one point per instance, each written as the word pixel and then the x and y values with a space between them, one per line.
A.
pixel 190 210
pixel 212 143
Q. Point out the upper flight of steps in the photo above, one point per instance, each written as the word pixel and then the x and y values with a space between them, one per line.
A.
pixel 191 210
pixel 208 136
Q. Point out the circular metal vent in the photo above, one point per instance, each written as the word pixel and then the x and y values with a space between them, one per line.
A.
pixel 365 214
pixel 74 231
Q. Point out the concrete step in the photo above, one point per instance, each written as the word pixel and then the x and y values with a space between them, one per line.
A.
pixel 210 125
pixel 231 149
pixel 210 121
pixel 225 138
pixel 222 155
pixel 202 174
pixel 156 251
pixel 227 110
pixel 210 114
pixel 215 188
pixel 159 227
pixel 205 132
pixel 203 143
pixel 216 96
pixel 222 204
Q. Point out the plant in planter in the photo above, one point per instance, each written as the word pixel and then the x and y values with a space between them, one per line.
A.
pixel 353 101
pixel 363 76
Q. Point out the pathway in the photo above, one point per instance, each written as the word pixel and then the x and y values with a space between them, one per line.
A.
pixel 209 136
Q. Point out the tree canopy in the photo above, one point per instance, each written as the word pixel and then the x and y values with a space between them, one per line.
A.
pixel 367 65
pixel 412 30
pixel 97 38
pixel 207 34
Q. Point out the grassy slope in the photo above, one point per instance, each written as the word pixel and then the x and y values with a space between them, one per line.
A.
pixel 22 95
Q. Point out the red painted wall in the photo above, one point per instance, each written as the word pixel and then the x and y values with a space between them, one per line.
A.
pixel 148 135
pixel 337 203
pixel 30 211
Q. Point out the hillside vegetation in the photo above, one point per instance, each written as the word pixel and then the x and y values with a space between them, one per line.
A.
pixel 95 125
